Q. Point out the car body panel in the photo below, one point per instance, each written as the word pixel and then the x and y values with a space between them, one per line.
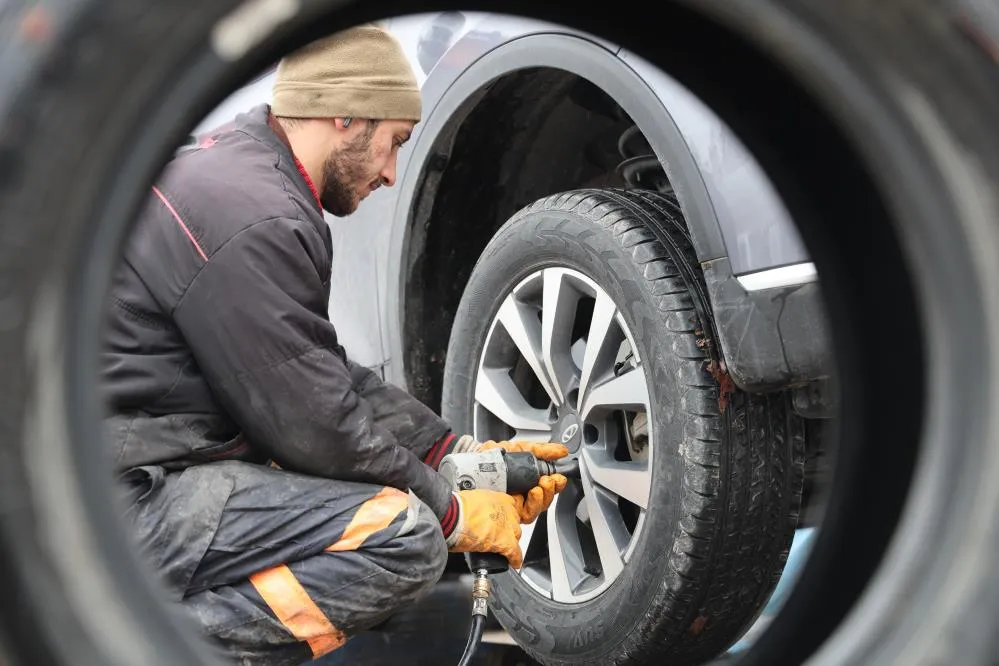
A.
pixel 756 230
pixel 583 57
pixel 738 223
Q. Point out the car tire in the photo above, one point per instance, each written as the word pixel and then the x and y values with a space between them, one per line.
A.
pixel 726 470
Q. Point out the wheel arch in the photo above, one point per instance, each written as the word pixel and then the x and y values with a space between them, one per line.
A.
pixel 416 329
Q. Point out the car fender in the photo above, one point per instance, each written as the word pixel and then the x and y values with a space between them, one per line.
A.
pixel 591 59
pixel 748 222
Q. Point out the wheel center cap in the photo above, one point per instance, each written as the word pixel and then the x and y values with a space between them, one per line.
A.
pixel 569 432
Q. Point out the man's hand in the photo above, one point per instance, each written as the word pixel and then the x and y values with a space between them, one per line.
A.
pixel 544 450
pixel 488 522
pixel 539 498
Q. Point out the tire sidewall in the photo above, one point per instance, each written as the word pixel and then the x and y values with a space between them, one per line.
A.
pixel 527 244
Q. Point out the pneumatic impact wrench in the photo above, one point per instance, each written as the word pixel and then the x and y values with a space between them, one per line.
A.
pixel 505 472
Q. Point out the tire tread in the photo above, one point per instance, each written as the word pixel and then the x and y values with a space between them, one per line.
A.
pixel 742 460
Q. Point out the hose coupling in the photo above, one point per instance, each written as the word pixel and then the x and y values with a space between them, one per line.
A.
pixel 480 593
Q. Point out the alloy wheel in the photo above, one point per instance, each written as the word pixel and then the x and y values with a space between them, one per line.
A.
pixel 560 364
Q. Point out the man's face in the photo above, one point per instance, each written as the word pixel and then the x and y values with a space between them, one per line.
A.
pixel 362 164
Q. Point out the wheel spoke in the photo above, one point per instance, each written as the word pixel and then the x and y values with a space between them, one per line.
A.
pixel 629 480
pixel 601 344
pixel 558 552
pixel 628 391
pixel 558 311
pixel 540 436
pixel 495 391
pixel 523 327
pixel 526 534
pixel 578 550
pixel 609 531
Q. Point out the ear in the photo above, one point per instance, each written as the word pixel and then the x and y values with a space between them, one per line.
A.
pixel 342 123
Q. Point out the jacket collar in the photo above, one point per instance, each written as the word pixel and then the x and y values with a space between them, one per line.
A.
pixel 259 123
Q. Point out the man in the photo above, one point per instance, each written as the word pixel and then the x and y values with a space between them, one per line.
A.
pixel 287 496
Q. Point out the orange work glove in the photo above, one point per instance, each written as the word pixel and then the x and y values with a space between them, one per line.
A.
pixel 488 522
pixel 540 497
pixel 543 450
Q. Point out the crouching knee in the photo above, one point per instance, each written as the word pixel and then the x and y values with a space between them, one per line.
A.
pixel 418 551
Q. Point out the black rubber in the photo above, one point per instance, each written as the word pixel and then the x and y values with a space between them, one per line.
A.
pixel 876 122
pixel 474 637
pixel 727 466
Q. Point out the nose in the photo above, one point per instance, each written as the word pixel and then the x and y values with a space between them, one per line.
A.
pixel 388 173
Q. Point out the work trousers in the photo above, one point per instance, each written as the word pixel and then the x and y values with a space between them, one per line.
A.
pixel 279 568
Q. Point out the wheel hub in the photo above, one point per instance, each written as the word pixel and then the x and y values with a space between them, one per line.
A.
pixel 569 431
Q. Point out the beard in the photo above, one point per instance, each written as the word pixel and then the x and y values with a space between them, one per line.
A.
pixel 342 172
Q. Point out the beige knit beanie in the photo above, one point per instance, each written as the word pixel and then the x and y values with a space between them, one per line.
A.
pixel 361 72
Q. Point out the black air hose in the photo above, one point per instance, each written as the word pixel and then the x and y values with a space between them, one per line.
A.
pixel 474 636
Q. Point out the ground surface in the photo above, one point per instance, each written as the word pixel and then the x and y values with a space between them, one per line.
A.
pixel 434 632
